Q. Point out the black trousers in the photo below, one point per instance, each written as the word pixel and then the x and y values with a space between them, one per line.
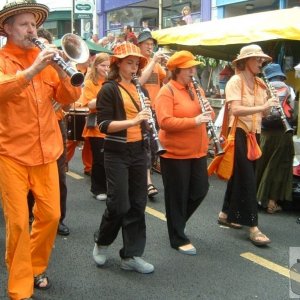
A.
pixel 126 174
pixel 240 202
pixel 61 165
pixel 185 186
pixel 98 176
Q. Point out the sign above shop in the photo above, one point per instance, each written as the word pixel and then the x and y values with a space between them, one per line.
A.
pixel 83 9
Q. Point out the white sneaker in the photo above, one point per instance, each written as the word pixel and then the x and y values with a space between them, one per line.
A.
pixel 136 264
pixel 101 197
pixel 99 254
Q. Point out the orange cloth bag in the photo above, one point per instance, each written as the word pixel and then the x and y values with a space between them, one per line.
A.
pixel 222 165
pixel 253 149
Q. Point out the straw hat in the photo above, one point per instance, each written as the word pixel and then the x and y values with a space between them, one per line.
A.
pixel 273 70
pixel 128 49
pixel 251 51
pixel 16 7
pixel 182 59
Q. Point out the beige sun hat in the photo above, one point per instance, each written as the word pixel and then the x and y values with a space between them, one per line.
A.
pixel 251 51
pixel 16 7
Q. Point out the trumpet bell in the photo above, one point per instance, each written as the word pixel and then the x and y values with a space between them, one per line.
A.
pixel 75 48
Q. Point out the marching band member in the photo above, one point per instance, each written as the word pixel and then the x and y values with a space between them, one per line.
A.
pixel 120 117
pixel 152 79
pixel 247 97
pixel 31 143
pixel 92 84
pixel 183 134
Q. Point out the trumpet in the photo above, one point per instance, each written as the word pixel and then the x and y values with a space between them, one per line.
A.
pixel 210 126
pixel 277 110
pixel 159 148
pixel 75 49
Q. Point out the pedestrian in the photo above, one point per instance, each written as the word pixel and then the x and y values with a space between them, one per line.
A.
pixel 120 117
pixel 31 143
pixel 274 170
pixel 183 134
pixel 152 79
pixel 92 84
pixel 130 35
pixel 246 97
pixel 186 15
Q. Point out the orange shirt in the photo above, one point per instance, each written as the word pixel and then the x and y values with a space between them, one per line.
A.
pixel 233 91
pixel 29 131
pixel 134 133
pixel 154 82
pixel 178 133
pixel 89 92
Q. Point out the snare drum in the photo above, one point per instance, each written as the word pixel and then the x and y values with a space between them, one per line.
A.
pixel 75 120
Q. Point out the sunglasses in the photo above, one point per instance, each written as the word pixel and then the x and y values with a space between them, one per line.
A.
pixel 259 59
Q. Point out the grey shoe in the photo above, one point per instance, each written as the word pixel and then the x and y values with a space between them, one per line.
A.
pixel 191 251
pixel 99 254
pixel 136 264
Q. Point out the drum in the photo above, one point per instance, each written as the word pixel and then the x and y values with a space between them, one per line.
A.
pixel 75 120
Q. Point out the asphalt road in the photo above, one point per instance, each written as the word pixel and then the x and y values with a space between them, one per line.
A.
pixel 227 265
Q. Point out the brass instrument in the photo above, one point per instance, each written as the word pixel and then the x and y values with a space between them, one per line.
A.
pixel 75 49
pixel 159 148
pixel 210 126
pixel 277 110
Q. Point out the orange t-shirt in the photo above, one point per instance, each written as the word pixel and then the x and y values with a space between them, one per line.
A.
pixel 29 131
pixel 90 92
pixel 134 133
pixel 176 112
pixel 154 82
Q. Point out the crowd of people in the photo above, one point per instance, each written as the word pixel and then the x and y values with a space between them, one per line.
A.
pixel 118 142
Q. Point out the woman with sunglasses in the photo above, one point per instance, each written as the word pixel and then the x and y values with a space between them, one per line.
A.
pixel 246 98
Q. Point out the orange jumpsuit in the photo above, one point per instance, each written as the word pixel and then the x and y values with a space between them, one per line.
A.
pixel 30 144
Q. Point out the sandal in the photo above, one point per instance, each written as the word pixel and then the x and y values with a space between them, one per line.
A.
pixel 152 190
pixel 39 279
pixel 224 222
pixel 274 209
pixel 255 238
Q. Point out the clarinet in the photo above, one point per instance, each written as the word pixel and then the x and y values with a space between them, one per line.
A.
pixel 210 126
pixel 159 148
pixel 279 110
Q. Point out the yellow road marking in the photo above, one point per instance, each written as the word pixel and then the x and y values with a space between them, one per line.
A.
pixel 74 175
pixel 156 213
pixel 266 264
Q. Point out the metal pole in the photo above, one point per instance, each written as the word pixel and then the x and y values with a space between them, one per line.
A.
pixel 72 16
pixel 160 16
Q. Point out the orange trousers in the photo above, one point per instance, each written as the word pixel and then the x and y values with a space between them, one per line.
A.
pixel 86 153
pixel 27 253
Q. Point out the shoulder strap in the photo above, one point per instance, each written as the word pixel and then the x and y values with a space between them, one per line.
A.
pixel 133 101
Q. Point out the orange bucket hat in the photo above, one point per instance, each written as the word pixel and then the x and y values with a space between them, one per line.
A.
pixel 128 49
pixel 16 7
pixel 182 59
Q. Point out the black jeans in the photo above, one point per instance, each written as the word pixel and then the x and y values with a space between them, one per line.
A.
pixel 126 174
pixel 185 185
pixel 98 176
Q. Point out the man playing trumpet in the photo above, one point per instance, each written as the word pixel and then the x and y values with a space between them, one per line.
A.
pixel 31 143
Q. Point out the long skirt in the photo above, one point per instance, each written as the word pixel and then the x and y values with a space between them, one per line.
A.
pixel 274 170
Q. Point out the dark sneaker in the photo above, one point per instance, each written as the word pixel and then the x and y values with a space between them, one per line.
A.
pixel 136 264
pixel 63 229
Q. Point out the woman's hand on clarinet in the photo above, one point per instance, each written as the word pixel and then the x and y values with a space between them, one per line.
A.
pixel 272 102
pixel 143 115
pixel 203 118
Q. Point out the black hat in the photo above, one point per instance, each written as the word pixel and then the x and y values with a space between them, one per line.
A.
pixel 146 35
